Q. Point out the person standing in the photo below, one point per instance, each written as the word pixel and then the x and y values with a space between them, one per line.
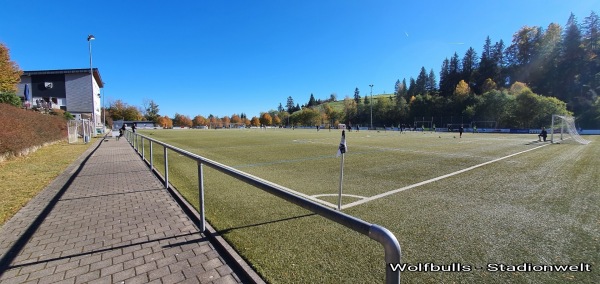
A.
pixel 133 127
pixel 122 130
pixel 460 131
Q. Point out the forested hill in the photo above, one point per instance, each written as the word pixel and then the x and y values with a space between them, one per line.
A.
pixel 560 62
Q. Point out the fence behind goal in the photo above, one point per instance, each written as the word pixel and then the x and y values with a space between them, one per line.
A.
pixel 77 129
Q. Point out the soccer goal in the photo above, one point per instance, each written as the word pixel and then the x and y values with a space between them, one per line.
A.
pixel 423 124
pixel 489 124
pixel 237 126
pixel 79 129
pixel 563 126
pixel 453 127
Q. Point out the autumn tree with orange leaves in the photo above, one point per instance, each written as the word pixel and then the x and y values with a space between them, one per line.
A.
pixel 10 73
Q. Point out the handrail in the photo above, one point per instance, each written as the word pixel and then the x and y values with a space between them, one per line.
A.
pixel 392 251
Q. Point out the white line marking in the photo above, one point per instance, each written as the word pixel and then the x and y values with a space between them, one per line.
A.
pixel 296 192
pixel 335 194
pixel 324 202
pixel 316 198
pixel 433 179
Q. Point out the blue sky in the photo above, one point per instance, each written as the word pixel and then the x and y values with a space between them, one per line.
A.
pixel 226 57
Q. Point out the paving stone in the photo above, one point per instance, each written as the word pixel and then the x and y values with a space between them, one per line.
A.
pixel 224 270
pixel 145 268
pixel 103 280
pixel 197 260
pixel 111 221
pixel 77 271
pixel 111 269
pixel 141 279
pixel 226 280
pixel 56 277
pixel 17 279
pixel 122 258
pixel 159 272
pixel 125 274
pixel 212 264
pixel 85 278
pixel 67 266
pixel 41 273
pixel 209 276
pixel 134 262
pixel 173 278
pixel 91 259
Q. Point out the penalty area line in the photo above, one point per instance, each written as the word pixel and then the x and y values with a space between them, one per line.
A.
pixel 374 197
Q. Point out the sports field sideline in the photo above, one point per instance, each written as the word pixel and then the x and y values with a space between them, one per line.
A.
pixel 477 200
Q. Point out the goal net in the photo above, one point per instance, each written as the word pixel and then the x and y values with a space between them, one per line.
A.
pixel 237 126
pixel 453 127
pixel 491 124
pixel 79 129
pixel 564 127
pixel 423 124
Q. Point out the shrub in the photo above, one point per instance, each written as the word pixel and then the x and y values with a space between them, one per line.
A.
pixel 68 116
pixel 23 129
pixel 59 112
pixel 10 98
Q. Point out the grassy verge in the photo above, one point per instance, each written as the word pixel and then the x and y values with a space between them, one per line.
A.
pixel 24 177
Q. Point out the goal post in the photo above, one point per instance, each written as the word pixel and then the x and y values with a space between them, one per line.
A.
pixel 563 126
pixel 237 125
pixel 79 129
pixel 424 124
pixel 491 124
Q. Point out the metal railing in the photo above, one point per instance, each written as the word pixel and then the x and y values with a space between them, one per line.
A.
pixel 392 252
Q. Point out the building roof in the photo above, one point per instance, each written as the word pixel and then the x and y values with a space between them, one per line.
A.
pixel 67 71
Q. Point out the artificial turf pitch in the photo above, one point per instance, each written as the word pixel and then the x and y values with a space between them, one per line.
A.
pixel 540 206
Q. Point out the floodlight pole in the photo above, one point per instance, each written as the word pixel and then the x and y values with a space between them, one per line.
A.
pixel 371 103
pixel 89 39
pixel 103 112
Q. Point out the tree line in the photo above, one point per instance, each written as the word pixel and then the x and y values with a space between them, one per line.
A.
pixel 542 72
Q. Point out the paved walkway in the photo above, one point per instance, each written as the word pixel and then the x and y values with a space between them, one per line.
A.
pixel 108 219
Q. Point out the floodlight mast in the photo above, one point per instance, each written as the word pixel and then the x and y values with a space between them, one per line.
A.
pixel 89 39
pixel 371 103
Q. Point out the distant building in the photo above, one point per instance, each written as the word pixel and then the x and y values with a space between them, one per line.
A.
pixel 72 90
pixel 117 124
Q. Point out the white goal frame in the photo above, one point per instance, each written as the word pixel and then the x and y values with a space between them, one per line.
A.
pixel 489 124
pixel 424 124
pixel 565 125
pixel 79 129
pixel 237 126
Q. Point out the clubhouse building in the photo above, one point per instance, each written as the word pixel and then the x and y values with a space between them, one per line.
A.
pixel 73 90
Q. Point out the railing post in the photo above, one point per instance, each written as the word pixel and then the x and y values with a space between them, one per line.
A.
pixel 552 130
pixel 392 251
pixel 151 157
pixel 142 137
pixel 166 169
pixel 201 196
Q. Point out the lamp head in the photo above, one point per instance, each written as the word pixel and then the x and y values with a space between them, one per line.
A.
pixel 91 37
